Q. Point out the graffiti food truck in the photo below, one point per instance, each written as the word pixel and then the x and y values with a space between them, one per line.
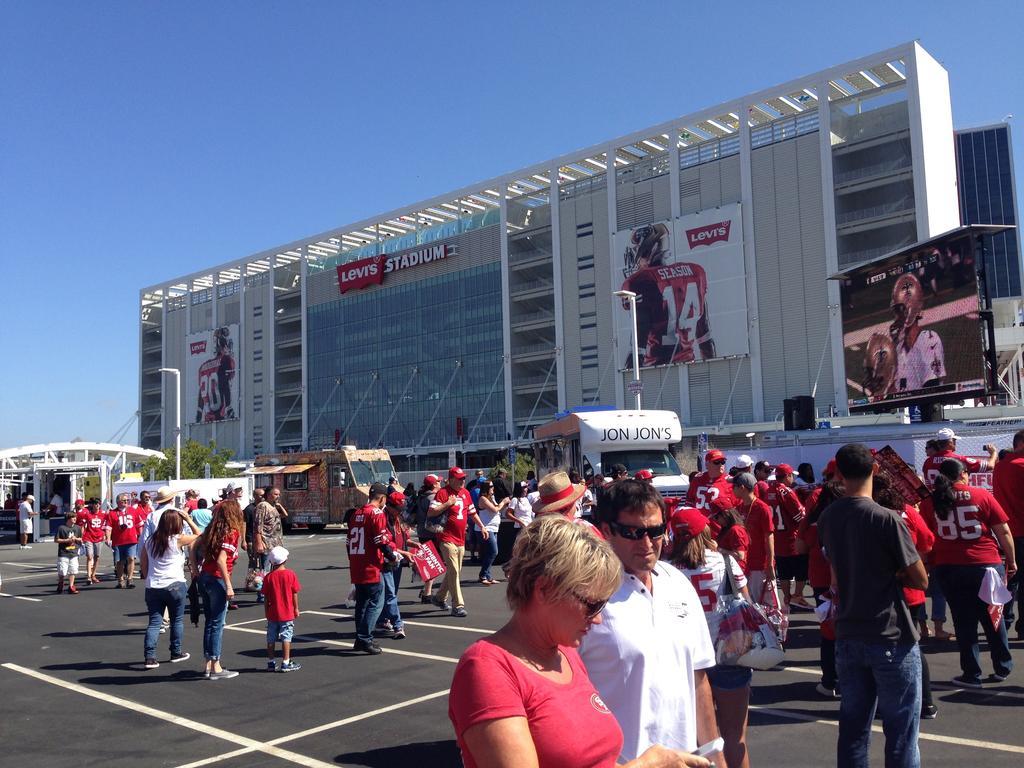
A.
pixel 591 441
pixel 320 488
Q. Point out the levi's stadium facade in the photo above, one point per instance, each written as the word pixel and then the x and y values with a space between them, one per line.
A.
pixel 459 323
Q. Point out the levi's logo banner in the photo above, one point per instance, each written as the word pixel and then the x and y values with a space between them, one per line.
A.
pixel 197 348
pixel 708 234
pixel 370 271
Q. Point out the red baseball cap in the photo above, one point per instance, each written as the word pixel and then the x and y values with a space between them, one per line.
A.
pixel 79 502
pixel 431 480
pixel 714 455
pixel 721 505
pixel 783 469
pixel 687 522
pixel 643 474
pixel 396 499
pixel 455 472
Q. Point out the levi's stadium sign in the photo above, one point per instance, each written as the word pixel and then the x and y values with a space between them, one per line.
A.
pixel 366 272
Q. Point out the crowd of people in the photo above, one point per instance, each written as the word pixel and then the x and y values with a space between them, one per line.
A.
pixel 616 592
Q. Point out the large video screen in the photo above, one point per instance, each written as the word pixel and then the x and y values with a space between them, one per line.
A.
pixel 690 282
pixel 211 375
pixel 911 327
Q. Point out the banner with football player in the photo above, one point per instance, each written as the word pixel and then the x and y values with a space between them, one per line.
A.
pixel 211 375
pixel 690 283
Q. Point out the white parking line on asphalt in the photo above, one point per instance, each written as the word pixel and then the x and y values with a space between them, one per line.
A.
pixel 23 578
pixel 243 623
pixel 975 743
pixel 19 597
pixel 31 565
pixel 168 717
pixel 340 644
pixel 319 729
pixel 412 623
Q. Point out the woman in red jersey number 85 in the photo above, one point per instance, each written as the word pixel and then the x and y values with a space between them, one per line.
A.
pixel 967 522
pixel 521 698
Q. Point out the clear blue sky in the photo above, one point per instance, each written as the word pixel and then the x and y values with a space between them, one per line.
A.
pixel 144 140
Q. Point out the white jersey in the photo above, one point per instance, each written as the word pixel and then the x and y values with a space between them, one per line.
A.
pixel 521 508
pixel 923 362
pixel 711 585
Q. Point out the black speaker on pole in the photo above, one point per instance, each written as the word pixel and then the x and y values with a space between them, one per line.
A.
pixel 805 416
pixel 788 414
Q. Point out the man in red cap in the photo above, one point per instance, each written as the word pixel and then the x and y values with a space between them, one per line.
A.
pixel 790 564
pixel 711 484
pixel 451 542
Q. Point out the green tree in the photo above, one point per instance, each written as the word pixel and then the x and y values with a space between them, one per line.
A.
pixel 524 464
pixel 194 458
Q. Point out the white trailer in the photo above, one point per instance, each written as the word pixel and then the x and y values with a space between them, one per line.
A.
pixel 592 441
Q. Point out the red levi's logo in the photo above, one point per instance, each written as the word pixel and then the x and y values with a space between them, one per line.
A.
pixel 711 233
pixel 359 274
pixel 197 347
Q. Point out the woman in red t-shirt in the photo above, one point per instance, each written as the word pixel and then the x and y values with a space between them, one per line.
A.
pixel 522 696
pixel 967 522
pixel 219 545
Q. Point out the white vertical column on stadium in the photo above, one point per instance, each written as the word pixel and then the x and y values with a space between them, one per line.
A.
pixel 506 306
pixel 215 323
pixel 186 422
pixel 609 180
pixel 270 367
pixel 303 274
pixel 164 421
pixel 676 209
pixel 556 276
pixel 245 369
pixel 828 209
pixel 750 262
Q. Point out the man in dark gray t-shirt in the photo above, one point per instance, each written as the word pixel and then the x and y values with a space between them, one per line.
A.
pixel 877 656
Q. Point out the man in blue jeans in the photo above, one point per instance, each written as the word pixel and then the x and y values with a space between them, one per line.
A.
pixel 369 546
pixel 877 656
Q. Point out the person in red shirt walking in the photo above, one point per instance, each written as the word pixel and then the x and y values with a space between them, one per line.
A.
pixel 369 547
pixel 712 484
pixel 454 500
pixel 1008 488
pixel 790 554
pixel 220 544
pixel 94 533
pixel 122 534
pixel 757 519
pixel 280 591
pixel 967 522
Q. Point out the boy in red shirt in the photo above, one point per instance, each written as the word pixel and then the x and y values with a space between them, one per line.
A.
pixel 280 591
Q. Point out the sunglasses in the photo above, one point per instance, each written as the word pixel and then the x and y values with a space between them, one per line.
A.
pixel 590 607
pixel 718 461
pixel 636 533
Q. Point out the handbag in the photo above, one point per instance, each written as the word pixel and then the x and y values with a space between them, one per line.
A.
pixel 774 610
pixel 254 580
pixel 436 524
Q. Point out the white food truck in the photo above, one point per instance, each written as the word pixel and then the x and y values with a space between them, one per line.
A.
pixel 591 441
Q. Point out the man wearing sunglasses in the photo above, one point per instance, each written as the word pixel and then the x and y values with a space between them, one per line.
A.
pixel 649 656
pixel 711 484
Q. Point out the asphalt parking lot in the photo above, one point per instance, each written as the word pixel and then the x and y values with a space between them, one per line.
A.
pixel 74 690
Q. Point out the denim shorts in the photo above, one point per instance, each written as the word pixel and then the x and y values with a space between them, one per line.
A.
pixel 124 551
pixel 729 677
pixel 280 631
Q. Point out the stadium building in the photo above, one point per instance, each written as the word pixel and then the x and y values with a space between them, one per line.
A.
pixel 460 322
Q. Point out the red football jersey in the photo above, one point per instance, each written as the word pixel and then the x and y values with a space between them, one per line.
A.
pixel 124 526
pixel 1008 488
pixel 651 315
pixel 966 537
pixel 684 289
pixel 230 546
pixel 932 464
pixel 367 535
pixel 788 512
pixel 455 527
pixel 704 491
pixel 923 540
pixel 214 381
pixel 759 522
pixel 93 524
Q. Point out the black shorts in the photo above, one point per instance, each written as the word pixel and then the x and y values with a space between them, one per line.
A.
pixel 791 567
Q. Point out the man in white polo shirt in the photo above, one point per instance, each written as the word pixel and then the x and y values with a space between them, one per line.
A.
pixel 649 656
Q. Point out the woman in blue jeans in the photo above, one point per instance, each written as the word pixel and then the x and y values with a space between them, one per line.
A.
pixel 490 512
pixel 968 522
pixel 162 564
pixel 391 573
pixel 219 544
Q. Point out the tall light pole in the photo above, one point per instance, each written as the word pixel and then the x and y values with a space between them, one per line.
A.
pixel 637 386
pixel 177 420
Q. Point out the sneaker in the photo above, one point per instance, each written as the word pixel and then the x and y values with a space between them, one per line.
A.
pixel 290 666
pixel 399 634
pixel 232 606
pixel 271 666
pixel 828 693
pixel 459 613
pixel 427 599
pixel 967 682
pixel 176 657
pixel 996 677
pixel 163 629
pixel 60 589
pixel 929 712
pixel 130 585
pixel 442 604
pixel 384 627
pixel 371 648
pixel 152 663
pixel 224 674
pixel 72 590
pixel 801 603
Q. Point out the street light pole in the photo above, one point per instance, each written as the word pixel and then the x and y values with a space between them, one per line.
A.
pixel 631 297
pixel 177 420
